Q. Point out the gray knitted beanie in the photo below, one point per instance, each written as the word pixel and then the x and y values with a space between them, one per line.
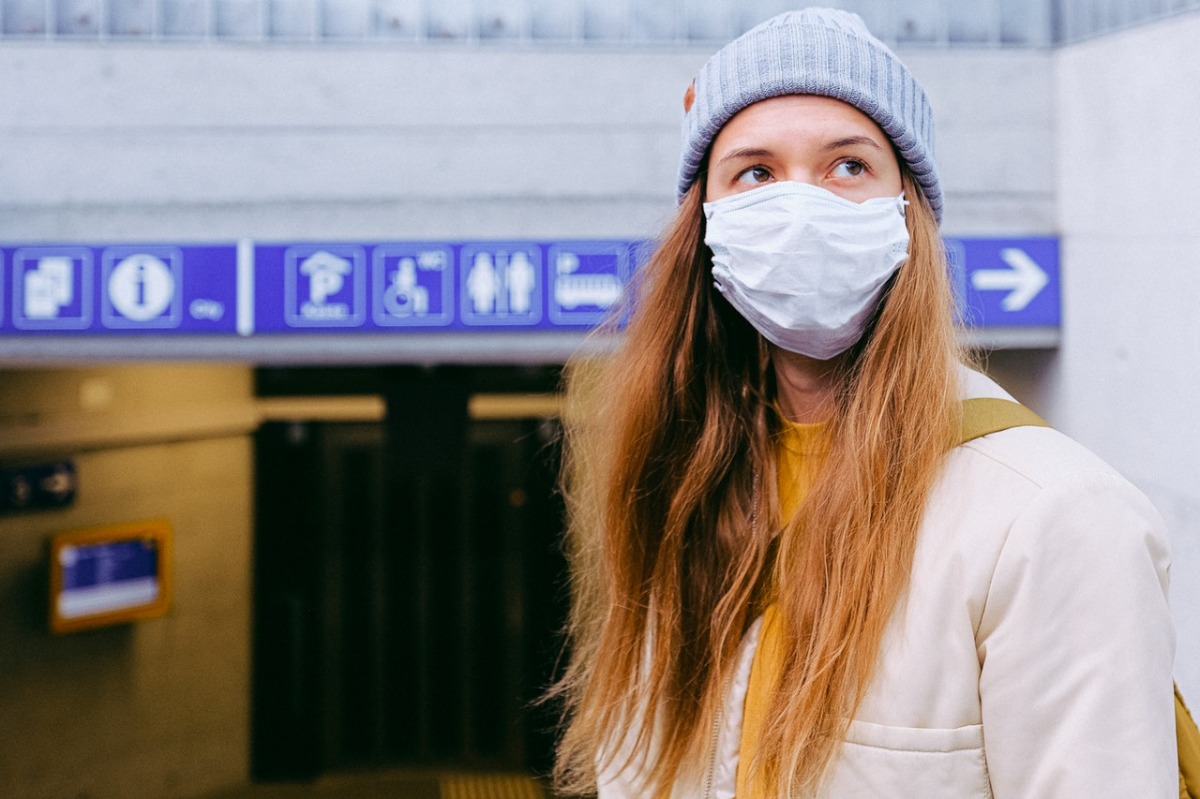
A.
pixel 814 51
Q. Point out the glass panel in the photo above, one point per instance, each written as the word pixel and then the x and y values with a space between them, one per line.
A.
pixel 605 19
pixel 976 23
pixel 553 19
pixel 24 17
pixel 709 22
pixel 77 17
pixel 1144 9
pixel 1024 22
pixel 657 21
pixel 922 21
pixel 1108 15
pixel 345 19
pixel 1088 17
pixel 502 19
pixel 752 12
pixel 399 19
pixel 291 19
pixel 448 19
pixel 1064 22
pixel 878 16
pixel 1013 23
pixel 183 17
pixel 238 18
pixel 131 17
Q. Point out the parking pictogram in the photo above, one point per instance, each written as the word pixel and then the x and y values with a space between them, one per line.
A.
pixel 325 286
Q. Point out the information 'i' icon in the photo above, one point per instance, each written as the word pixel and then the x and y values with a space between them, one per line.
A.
pixel 141 287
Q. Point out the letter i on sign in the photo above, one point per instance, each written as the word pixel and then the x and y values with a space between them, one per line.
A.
pixel 140 284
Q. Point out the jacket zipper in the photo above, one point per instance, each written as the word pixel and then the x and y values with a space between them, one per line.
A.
pixel 716 730
pixel 712 760
pixel 716 738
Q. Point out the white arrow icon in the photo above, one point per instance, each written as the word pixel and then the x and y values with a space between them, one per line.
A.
pixel 1023 281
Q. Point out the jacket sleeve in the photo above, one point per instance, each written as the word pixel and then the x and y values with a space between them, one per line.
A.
pixel 1076 648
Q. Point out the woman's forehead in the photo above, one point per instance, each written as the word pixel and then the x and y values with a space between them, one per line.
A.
pixel 798 118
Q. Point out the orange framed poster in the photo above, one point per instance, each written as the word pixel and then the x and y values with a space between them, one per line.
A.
pixel 109 574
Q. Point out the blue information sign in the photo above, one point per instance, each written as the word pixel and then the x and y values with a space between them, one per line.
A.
pixel 119 289
pixel 434 286
pixel 1006 283
pixel 374 287
pixel 414 285
pixel 586 280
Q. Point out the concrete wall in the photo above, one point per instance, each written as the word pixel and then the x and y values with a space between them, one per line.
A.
pixel 217 142
pixel 1129 199
pixel 157 708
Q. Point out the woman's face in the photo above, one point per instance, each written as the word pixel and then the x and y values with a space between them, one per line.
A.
pixel 804 138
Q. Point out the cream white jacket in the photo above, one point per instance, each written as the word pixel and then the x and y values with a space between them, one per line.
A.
pixel 1032 655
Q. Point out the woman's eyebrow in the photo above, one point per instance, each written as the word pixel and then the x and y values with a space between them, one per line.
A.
pixel 837 144
pixel 850 141
pixel 745 152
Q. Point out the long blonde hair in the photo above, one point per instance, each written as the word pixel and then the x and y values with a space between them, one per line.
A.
pixel 667 546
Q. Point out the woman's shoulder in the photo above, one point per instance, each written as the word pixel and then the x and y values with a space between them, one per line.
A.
pixel 1036 560
pixel 1031 488
pixel 1041 456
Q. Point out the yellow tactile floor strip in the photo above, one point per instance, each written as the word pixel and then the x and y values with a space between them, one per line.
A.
pixel 489 786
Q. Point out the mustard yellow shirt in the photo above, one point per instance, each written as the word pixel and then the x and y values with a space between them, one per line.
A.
pixel 800 454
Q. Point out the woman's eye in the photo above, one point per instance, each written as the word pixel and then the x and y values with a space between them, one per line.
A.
pixel 849 169
pixel 754 176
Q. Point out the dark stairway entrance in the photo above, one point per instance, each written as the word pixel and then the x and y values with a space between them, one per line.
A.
pixel 409 585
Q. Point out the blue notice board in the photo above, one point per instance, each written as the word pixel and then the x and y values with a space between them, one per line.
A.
pixel 1007 283
pixel 119 289
pixel 107 563
pixel 438 286
pixel 109 574
pixel 348 288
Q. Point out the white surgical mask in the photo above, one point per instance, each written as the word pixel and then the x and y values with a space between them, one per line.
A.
pixel 803 265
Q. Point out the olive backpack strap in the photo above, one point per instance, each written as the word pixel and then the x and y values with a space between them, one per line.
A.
pixel 1188 738
pixel 983 415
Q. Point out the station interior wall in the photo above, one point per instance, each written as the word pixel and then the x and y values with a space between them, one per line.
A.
pixel 1123 379
pixel 161 707
pixel 124 142
pixel 215 143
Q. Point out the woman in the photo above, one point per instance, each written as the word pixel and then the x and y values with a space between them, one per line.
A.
pixel 791 579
